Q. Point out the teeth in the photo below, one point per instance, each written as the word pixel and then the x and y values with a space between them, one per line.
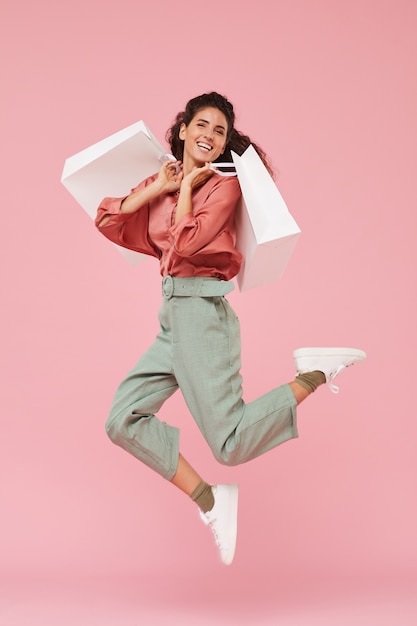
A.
pixel 204 146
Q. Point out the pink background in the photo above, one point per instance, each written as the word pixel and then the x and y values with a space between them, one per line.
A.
pixel 327 529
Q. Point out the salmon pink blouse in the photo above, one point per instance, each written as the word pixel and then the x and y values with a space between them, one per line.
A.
pixel 200 244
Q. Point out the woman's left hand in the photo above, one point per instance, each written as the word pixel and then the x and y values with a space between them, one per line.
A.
pixel 198 176
pixel 194 179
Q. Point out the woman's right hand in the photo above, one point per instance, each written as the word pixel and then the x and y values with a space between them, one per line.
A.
pixel 170 176
pixel 168 181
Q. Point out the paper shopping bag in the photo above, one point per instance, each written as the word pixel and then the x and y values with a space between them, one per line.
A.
pixel 266 231
pixel 111 168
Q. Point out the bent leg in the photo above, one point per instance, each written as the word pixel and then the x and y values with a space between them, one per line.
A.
pixel 132 423
pixel 207 369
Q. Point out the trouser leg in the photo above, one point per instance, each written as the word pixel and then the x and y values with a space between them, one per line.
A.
pixel 206 353
pixel 132 423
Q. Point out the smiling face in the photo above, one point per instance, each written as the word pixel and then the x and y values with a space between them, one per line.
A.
pixel 204 137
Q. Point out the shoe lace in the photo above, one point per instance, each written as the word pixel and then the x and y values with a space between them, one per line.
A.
pixel 211 522
pixel 334 388
pixel 215 535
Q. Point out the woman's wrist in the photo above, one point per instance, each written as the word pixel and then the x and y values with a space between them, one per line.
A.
pixel 185 188
pixel 156 188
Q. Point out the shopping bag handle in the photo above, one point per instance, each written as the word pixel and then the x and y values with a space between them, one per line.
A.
pixel 214 166
pixel 169 157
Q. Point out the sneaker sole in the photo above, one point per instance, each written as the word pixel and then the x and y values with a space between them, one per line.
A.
pixel 234 503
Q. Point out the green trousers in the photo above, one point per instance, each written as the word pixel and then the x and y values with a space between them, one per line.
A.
pixel 198 351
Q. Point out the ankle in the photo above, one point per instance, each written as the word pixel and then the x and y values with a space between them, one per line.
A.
pixel 203 496
pixel 311 380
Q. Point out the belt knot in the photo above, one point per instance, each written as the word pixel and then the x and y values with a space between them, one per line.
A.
pixel 168 287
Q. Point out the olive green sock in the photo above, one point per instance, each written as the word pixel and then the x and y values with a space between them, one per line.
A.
pixel 311 380
pixel 203 496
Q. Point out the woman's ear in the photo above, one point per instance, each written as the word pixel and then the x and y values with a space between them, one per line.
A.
pixel 181 134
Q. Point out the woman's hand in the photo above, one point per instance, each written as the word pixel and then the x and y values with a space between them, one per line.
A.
pixel 197 177
pixel 168 181
pixel 170 176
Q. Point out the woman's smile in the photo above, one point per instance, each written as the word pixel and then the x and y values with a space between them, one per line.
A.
pixel 204 146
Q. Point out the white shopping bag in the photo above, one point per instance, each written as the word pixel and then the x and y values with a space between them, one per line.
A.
pixel 266 231
pixel 111 168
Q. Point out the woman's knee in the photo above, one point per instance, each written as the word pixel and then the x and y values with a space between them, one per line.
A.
pixel 113 428
pixel 225 456
pixel 123 426
pixel 117 426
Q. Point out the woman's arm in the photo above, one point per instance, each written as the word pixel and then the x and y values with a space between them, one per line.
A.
pixel 168 180
pixel 193 180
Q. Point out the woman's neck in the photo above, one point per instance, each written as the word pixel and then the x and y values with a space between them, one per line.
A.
pixel 189 164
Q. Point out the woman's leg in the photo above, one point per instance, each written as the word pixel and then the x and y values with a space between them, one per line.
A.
pixel 207 368
pixel 132 423
pixel 186 478
pixel 300 393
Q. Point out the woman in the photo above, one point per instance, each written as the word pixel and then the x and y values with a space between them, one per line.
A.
pixel 184 216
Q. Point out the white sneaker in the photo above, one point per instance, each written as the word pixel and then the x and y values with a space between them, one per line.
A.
pixel 222 520
pixel 330 361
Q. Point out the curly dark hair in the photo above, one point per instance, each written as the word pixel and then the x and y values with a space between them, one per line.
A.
pixel 235 140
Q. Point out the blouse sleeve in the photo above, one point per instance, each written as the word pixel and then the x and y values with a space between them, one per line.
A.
pixel 129 230
pixel 213 213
